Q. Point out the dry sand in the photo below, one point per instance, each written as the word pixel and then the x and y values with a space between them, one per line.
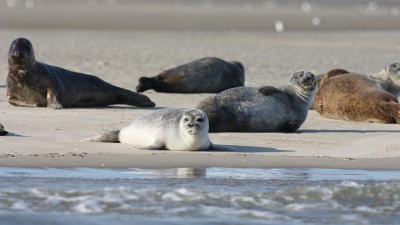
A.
pixel 41 137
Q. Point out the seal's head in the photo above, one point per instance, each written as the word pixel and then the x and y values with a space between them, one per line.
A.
pixel 21 54
pixel 303 80
pixel 194 122
pixel 239 65
pixel 393 70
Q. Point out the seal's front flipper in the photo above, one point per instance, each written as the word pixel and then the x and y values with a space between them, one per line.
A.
pixel 267 90
pixel 392 108
pixel 52 101
pixel 132 98
pixel 15 102
pixel 221 148
pixel 155 146
pixel 291 127
pixel 146 83
pixel 110 136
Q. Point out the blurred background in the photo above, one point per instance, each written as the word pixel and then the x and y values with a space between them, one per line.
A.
pixel 222 15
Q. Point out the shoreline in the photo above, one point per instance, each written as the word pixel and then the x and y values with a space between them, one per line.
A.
pixel 194 160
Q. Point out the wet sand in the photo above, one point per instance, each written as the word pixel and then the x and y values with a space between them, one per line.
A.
pixel 41 137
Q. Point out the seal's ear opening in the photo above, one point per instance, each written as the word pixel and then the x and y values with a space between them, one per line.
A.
pixel 239 65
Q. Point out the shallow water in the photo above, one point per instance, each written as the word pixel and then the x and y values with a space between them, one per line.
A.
pixel 199 196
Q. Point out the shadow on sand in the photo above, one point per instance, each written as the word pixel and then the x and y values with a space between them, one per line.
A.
pixel 119 107
pixel 249 149
pixel 2 86
pixel 13 135
pixel 346 131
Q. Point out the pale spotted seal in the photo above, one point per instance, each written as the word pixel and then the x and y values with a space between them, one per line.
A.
pixel 207 75
pixel 354 97
pixel 262 109
pixel 34 84
pixel 172 129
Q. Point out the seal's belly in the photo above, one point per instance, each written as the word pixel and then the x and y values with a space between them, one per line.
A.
pixel 267 115
pixel 140 136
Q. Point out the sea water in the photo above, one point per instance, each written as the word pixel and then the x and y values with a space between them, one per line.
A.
pixel 198 196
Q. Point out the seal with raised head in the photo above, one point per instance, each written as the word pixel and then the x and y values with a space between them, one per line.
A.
pixel 34 84
pixel 354 97
pixel 2 131
pixel 171 129
pixel 262 109
pixel 206 75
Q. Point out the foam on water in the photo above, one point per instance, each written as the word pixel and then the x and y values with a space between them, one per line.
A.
pixel 220 195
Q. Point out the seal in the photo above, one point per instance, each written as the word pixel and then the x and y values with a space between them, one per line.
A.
pixel 34 84
pixel 321 79
pixel 2 131
pixel 206 75
pixel 262 109
pixel 387 79
pixel 354 97
pixel 169 129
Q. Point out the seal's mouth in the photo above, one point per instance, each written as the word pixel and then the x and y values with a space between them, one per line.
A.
pixel 193 129
pixel 308 83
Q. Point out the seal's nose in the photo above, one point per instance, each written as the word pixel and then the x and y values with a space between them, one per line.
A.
pixel 191 125
pixel 16 54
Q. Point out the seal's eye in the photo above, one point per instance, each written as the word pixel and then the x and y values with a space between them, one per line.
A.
pixel 186 119
pixel 13 46
pixel 300 75
pixel 200 120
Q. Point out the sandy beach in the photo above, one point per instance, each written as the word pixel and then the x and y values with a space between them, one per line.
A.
pixel 41 137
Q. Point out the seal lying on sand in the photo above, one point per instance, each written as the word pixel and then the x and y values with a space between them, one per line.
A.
pixel 2 131
pixel 387 79
pixel 354 97
pixel 207 75
pixel 34 84
pixel 265 109
pixel 172 129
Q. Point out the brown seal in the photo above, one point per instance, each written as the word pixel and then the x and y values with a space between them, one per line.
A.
pixel 34 84
pixel 354 97
pixel 206 75
pixel 322 78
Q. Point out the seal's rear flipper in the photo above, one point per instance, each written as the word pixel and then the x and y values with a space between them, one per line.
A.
pixel 146 83
pixel 110 136
pixel 332 73
pixel 132 98
pixel 392 108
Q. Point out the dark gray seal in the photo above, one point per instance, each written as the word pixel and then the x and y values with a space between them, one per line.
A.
pixel 171 129
pixel 2 131
pixel 262 109
pixel 34 84
pixel 207 75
